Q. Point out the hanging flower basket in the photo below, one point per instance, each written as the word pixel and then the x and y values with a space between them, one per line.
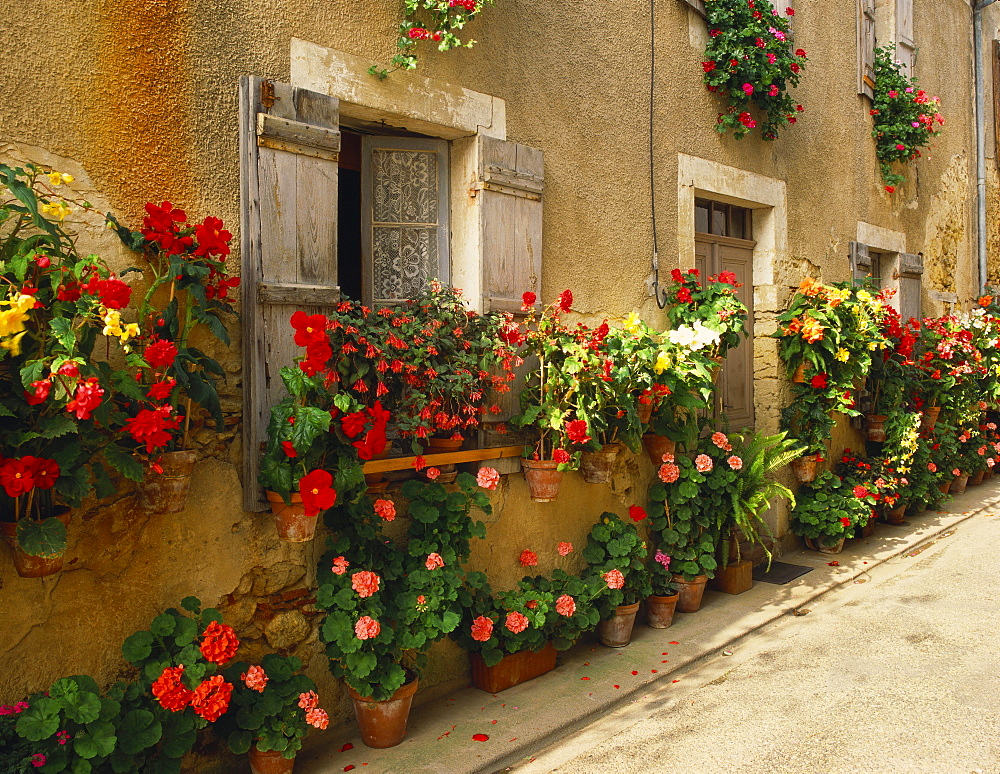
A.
pixel 543 479
pixel 805 468
pixel 167 492
pixel 596 466
pixel 290 521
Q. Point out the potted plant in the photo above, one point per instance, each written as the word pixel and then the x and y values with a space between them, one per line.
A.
pixel 273 707
pixel 827 511
pixel 754 457
pixel 387 600
pixel 187 291
pixel 616 555
pixel 512 636
pixel 665 592
pixel 700 307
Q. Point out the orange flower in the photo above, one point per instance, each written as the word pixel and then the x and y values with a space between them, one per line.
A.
pixel 170 691
pixel 566 605
pixel 811 287
pixel 614 579
pixel 812 331
pixel 219 643
pixel 482 629
pixel 211 698
pixel 365 583
pixel 318 718
pixel 986 300
pixel 516 622
pixel 255 679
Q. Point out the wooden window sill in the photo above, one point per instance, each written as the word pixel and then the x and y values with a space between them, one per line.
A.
pixel 443 458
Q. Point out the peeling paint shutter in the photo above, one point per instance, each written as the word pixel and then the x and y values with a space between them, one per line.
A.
pixel 736 387
pixel 866 47
pixel 404 209
pixel 510 189
pixel 861 261
pixel 905 44
pixel 911 271
pixel 289 145
pixel 511 183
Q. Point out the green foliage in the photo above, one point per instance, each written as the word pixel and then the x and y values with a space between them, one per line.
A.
pixel 751 47
pixel 828 510
pixel 614 544
pixel 905 118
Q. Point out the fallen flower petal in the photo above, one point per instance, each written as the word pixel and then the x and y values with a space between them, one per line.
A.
pixel 480 738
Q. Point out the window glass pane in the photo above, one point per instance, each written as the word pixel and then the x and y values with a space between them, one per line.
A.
pixel 701 217
pixel 718 219
pixel 737 221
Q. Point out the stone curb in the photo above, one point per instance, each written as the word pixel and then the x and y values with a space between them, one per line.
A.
pixel 553 707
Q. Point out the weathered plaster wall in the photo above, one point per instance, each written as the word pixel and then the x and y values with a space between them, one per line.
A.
pixel 138 101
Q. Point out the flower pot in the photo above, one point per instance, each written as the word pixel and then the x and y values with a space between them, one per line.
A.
pixel 645 411
pixel 875 427
pixel 690 593
pixel 377 478
pixel 543 479
pixel 815 545
pixel 944 487
pixel 977 479
pixel 290 520
pixel 660 611
pixel 440 445
pixel 929 419
pixel 805 468
pixel 167 492
pixel 616 632
pixel 865 530
pixel 734 578
pixel 26 565
pixel 596 466
pixel 799 377
pixel 269 762
pixel 657 446
pixel 717 369
pixel 959 483
pixel 513 669
pixel 383 723
pixel 897 515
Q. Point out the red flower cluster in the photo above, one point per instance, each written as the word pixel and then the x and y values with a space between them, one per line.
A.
pixel 376 419
pixel 86 399
pixel 19 475
pixel 219 643
pixel 153 427
pixel 317 492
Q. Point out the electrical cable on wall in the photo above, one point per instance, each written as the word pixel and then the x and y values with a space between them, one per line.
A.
pixel 652 178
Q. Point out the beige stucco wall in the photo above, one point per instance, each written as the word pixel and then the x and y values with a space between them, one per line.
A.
pixel 138 99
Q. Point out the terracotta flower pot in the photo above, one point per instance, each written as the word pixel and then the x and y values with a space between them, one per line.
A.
pixel 269 762
pixel 645 411
pixel 875 427
pixel 383 723
pixel 799 377
pixel 616 632
pixel 717 369
pixel 805 468
pixel 690 593
pixel 897 515
pixel 377 478
pixel 929 419
pixel 543 479
pixel 290 520
pixel 26 565
pixel 944 487
pixel 959 483
pixel 816 545
pixel 167 492
pixel 977 479
pixel 660 611
pixel 513 669
pixel 596 466
pixel 657 446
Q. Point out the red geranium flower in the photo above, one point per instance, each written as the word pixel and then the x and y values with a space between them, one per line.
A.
pixel 161 353
pixel 576 431
pixel 219 643
pixel 819 381
pixel 152 427
pixel 482 629
pixel 317 492
pixel 87 398
pixel 161 390
pixel 309 328
pixel 566 300
pixel 211 698
pixel 170 691
pixel 561 456
pixel 637 513
pixel 528 300
pixel 528 558
pixel 114 293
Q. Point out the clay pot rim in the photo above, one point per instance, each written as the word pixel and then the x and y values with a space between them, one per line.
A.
pixel 660 598
pixel 697 579
pixel 527 462
pixel 406 689
pixel 627 609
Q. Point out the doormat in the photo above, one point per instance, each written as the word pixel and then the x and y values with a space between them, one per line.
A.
pixel 780 572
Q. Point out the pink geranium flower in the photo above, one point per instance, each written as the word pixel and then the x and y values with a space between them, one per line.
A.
pixel 487 478
pixel 565 549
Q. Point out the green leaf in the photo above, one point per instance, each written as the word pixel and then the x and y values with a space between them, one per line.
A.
pixel 122 460
pixel 139 729
pixel 185 632
pixel 191 604
pixel 240 741
pixel 46 538
pixel 98 740
pixel 163 625
pixel 137 647
pixel 39 721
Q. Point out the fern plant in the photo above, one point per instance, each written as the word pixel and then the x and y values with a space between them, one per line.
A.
pixel 754 489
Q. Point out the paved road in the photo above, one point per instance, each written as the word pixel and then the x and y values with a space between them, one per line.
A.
pixel 897 674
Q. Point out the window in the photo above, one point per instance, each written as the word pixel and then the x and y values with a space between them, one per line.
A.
pixel 327 209
pixel 866 48
pixel 905 46
pixel 723 242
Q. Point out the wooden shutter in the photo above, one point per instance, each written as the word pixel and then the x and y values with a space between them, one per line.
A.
pixel 511 183
pixel 404 212
pixel 509 192
pixel 866 47
pixel 697 5
pixel 289 144
pixel 996 99
pixel 911 270
pixel 861 261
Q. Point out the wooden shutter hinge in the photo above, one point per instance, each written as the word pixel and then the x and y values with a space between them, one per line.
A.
pixel 267 97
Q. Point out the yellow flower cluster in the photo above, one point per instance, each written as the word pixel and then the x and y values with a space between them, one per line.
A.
pixel 57 178
pixel 12 321
pixel 58 210
pixel 113 325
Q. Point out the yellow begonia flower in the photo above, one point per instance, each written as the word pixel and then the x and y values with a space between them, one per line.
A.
pixel 13 343
pixel 12 320
pixel 662 362
pixel 59 210
pixel 57 178
pixel 632 322
pixel 842 355
pixel 872 346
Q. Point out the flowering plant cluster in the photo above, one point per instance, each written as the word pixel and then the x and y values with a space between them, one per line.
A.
pixel 150 723
pixel 388 599
pixel 750 62
pixel 273 706
pixel 828 509
pixel 538 611
pixel 905 119
pixel 828 334
pixel 891 371
pixel 616 554
pixel 706 315
pixel 949 365
pixel 438 21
